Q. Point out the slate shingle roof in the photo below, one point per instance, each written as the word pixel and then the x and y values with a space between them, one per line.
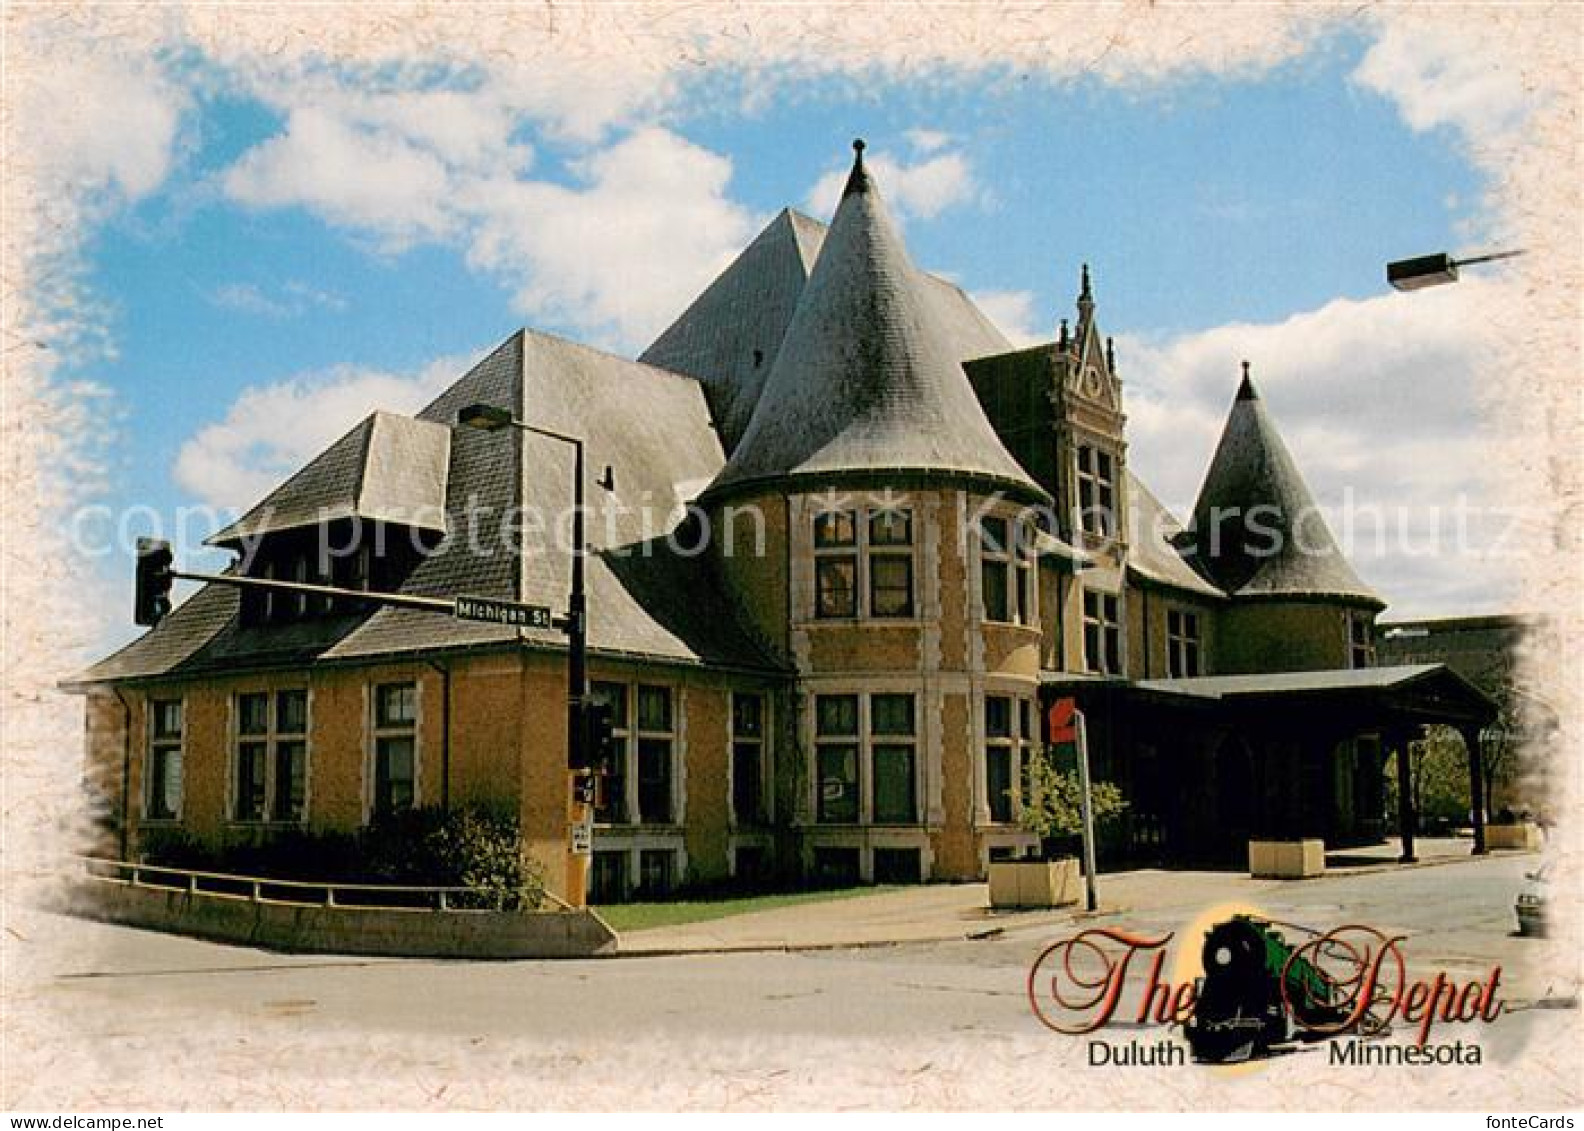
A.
pixel 1151 554
pixel 867 380
pixel 645 598
pixel 388 468
pixel 730 335
pixel 1253 469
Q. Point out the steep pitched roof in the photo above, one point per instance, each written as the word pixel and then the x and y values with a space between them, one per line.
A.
pixel 653 429
pixel 730 335
pixel 1151 552
pixel 651 426
pixel 388 468
pixel 1257 531
pixel 867 379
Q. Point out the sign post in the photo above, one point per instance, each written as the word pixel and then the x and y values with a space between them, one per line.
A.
pixel 1093 900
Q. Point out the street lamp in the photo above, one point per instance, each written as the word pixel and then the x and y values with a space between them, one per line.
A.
pixel 1434 270
pixel 491 418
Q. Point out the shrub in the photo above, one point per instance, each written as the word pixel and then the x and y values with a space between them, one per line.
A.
pixel 1053 800
pixel 428 847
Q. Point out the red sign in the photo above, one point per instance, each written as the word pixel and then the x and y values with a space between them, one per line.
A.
pixel 1060 721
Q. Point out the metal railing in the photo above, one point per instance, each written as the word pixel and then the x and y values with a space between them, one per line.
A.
pixel 310 893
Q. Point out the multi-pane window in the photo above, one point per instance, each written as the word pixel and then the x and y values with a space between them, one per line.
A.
pixel 1009 736
pixel 655 744
pixel 1182 643
pixel 836 758
pixel 893 754
pixel 863 563
pixel 271 780
pixel 1000 758
pixel 1361 641
pixel 655 870
pixel 1096 491
pixel 395 747
pixel 878 744
pixel 163 773
pixel 1006 569
pixel 748 759
pixel 836 564
pixel 612 809
pixel 638 785
pixel 890 563
pixel 1102 633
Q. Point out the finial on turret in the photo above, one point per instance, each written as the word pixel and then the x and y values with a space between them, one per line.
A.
pixel 1084 293
pixel 858 179
pixel 1246 388
pixel 1062 339
pixel 1111 354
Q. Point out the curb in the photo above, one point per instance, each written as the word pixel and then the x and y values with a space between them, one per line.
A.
pixel 990 932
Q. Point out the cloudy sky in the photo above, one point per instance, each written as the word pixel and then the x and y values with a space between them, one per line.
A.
pixel 258 234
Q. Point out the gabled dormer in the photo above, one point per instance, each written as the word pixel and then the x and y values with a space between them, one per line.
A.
pixel 361 515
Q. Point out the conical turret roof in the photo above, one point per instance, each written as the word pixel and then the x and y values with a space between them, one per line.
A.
pixel 867 381
pixel 1256 529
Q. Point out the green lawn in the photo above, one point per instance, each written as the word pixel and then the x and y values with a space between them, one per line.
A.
pixel 624 917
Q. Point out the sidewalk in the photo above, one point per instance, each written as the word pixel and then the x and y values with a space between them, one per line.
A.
pixel 950 912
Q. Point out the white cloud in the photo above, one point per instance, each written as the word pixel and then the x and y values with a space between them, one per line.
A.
pixel 1442 73
pixel 1381 402
pixel 1013 313
pixel 272 430
pixel 927 141
pixel 370 178
pixel 923 189
pixel 290 300
pixel 88 120
pixel 621 255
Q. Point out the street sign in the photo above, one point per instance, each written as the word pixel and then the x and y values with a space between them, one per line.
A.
pixel 503 612
pixel 1062 722
pixel 583 837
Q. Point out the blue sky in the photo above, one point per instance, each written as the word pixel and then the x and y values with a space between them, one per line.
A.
pixel 310 245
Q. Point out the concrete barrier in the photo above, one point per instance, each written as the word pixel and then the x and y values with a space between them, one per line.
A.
pixel 379 932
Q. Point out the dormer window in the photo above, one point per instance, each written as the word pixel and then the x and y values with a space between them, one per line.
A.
pixel 1096 491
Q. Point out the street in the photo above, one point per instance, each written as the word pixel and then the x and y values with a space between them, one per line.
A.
pixel 120 991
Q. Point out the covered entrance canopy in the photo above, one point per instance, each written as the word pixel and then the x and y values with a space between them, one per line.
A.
pixel 1216 760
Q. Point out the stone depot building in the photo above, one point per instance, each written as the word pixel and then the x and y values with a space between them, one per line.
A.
pixel 850 546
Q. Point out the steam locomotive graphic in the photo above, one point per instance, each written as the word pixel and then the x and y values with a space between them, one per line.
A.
pixel 1259 992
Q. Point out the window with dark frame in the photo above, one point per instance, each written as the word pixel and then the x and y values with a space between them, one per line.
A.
pixel 1102 633
pixel 271 761
pixel 612 809
pixel 1361 641
pixel 163 772
pixel 748 752
pixel 654 755
pixel 1182 644
pixel 395 747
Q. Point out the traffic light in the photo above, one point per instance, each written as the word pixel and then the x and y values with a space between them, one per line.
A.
pixel 152 602
pixel 599 739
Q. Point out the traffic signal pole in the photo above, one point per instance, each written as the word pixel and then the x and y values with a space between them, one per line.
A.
pixel 580 815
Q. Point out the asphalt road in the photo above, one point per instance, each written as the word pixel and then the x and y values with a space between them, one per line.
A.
pixel 115 988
